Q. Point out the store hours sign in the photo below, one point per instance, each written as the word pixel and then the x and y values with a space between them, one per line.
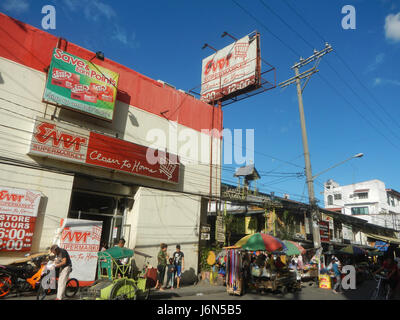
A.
pixel 18 212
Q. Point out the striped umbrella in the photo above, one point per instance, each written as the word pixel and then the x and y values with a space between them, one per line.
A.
pixel 260 241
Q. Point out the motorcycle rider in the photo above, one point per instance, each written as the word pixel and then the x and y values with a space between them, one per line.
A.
pixel 390 268
pixel 64 264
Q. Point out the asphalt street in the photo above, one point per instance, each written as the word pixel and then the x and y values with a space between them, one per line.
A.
pixel 209 292
pixel 363 292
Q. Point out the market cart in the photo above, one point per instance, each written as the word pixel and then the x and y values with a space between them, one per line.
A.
pixel 261 279
pixel 264 280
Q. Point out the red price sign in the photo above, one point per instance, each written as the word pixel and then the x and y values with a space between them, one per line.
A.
pixel 16 232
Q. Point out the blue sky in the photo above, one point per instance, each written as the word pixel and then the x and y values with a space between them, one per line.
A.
pixel 347 115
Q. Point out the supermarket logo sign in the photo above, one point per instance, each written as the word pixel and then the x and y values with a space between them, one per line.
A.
pixel 48 132
pixel 60 143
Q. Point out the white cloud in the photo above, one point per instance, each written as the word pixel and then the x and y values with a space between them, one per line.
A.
pixel 378 61
pixel 392 27
pixel 99 12
pixel 15 6
pixel 121 35
pixel 92 9
pixel 95 10
pixel 380 81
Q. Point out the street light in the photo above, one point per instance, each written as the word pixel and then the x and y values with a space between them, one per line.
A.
pixel 358 155
pixel 314 208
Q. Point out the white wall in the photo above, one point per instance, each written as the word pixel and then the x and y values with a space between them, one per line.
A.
pixel 21 91
pixel 166 217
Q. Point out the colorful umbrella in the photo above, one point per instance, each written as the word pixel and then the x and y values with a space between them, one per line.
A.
pixel 301 249
pixel 260 241
pixel 291 248
pixel 353 250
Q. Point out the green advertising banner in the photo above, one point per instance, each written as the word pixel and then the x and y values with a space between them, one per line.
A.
pixel 81 85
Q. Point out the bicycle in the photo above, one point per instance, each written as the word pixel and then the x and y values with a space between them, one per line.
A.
pixel 381 287
pixel 71 289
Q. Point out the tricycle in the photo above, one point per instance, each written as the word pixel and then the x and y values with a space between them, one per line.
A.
pixel 116 279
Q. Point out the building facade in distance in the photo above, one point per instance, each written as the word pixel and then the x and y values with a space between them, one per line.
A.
pixel 369 200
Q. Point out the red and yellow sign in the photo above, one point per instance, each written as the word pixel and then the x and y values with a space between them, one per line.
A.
pixel 72 144
pixel 18 212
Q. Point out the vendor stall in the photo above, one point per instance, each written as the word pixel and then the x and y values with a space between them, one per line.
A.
pixel 254 263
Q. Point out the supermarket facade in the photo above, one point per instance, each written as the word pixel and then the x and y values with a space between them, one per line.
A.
pixel 85 156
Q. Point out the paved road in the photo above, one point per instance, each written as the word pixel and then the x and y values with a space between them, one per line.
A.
pixel 363 292
pixel 209 292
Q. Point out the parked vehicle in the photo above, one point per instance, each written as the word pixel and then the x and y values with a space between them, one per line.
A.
pixel 22 276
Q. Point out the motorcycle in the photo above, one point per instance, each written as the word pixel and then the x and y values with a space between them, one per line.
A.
pixel 22 277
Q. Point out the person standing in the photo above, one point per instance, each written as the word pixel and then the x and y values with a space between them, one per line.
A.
pixel 179 259
pixel 338 275
pixel 162 259
pixel 64 265
pixel 170 274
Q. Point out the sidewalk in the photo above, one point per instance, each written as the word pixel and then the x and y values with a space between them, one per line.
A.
pixel 187 291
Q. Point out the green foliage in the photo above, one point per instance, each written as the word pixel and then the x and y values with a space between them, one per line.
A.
pixel 253 223
pixel 204 266
pixel 287 231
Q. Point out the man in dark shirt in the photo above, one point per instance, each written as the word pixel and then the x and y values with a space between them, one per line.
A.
pixel 178 257
pixel 64 264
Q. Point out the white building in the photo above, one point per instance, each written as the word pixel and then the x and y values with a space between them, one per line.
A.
pixel 145 207
pixel 369 200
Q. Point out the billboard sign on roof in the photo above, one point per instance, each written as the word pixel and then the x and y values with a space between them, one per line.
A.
pixel 231 70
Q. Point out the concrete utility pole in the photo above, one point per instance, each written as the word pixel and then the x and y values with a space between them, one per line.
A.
pixel 314 215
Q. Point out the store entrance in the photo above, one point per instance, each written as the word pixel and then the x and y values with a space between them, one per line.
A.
pixel 108 209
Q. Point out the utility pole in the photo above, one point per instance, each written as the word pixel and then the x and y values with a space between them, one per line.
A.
pixel 314 214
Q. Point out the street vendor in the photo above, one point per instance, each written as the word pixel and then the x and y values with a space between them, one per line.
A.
pixel 278 263
pixel 260 260
pixel 270 264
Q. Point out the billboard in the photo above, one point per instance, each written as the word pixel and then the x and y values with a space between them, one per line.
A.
pixel 324 231
pixel 81 238
pixel 72 144
pixel 18 212
pixel 80 85
pixel 232 70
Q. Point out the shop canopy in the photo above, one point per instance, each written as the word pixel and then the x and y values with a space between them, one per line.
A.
pixel 383 238
pixel 116 252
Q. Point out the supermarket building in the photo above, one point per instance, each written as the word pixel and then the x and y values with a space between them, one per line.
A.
pixel 69 157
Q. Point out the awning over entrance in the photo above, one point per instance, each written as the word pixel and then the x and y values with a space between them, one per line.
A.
pixel 383 238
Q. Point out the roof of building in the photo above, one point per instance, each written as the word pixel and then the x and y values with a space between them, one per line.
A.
pixel 338 215
pixel 250 172
pixel 394 192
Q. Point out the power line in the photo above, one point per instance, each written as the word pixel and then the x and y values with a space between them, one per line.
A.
pixel 326 81
pixel 342 60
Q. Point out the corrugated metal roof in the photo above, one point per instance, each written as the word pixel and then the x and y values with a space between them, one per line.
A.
pixel 247 171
